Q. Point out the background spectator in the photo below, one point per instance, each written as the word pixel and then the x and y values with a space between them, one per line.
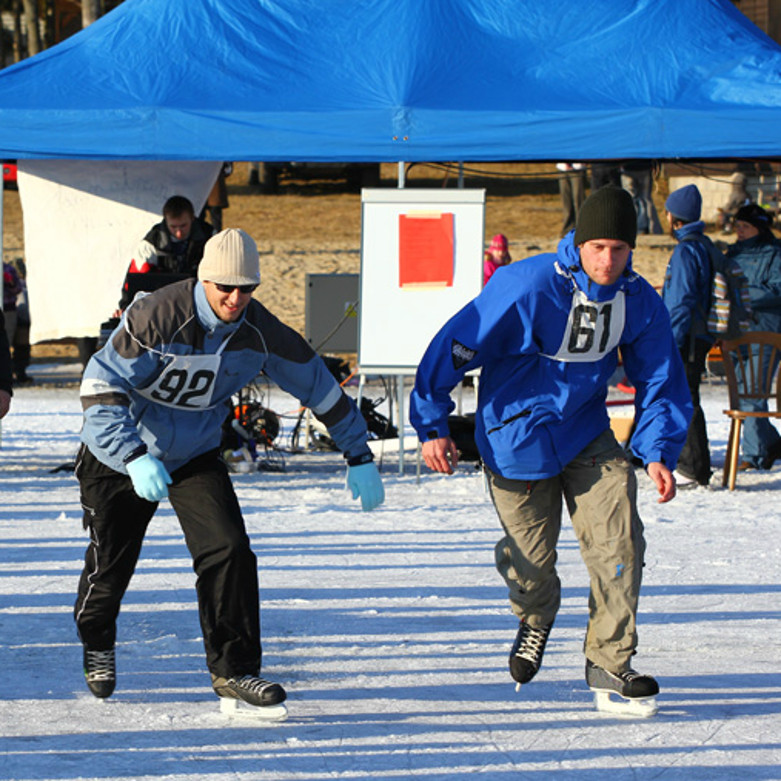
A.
pixel 758 253
pixel 496 255
pixel 738 196
pixel 572 188
pixel 637 178
pixel 686 293
pixel 218 198
pixel 6 374
pixel 21 336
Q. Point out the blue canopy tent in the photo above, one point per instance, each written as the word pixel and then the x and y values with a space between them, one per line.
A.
pixel 363 81
pixel 388 80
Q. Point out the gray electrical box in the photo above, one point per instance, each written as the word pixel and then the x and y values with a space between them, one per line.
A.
pixel 332 312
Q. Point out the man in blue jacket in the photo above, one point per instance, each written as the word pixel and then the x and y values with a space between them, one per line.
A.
pixel 154 400
pixel 686 294
pixel 546 333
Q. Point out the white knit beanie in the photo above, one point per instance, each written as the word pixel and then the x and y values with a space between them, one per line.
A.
pixel 230 258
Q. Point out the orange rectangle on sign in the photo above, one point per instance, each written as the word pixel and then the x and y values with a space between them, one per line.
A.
pixel 426 249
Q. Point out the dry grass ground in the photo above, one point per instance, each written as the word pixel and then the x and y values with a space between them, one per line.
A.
pixel 315 226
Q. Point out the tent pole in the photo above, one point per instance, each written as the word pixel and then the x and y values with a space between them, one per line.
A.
pixel 461 175
pixel 401 174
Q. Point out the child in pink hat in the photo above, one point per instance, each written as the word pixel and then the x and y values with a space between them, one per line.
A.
pixel 496 255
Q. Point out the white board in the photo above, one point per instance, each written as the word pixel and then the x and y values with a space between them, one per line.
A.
pixel 397 320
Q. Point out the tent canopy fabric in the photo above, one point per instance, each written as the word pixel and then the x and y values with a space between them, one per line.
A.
pixel 388 80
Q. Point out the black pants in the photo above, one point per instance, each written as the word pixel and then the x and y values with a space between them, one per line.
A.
pixel 205 504
pixel 694 461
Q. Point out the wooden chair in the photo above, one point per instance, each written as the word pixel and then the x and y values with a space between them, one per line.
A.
pixel 745 358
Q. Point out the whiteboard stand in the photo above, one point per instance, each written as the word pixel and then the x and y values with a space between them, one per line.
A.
pixel 401 309
pixel 400 419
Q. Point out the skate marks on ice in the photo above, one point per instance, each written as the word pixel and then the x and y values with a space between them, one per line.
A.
pixel 390 632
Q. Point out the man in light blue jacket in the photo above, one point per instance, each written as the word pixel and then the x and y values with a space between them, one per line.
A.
pixel 546 333
pixel 155 398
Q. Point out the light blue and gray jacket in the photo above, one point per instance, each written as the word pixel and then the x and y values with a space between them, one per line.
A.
pixel 163 382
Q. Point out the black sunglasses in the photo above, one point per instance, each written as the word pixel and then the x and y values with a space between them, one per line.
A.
pixel 230 288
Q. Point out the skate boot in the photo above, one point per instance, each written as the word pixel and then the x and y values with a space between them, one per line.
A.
pixel 100 671
pixel 527 651
pixel 627 694
pixel 251 696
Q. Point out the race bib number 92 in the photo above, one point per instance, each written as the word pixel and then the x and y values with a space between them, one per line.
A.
pixel 186 383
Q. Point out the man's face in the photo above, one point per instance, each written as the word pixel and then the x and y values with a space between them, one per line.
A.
pixel 179 225
pixel 228 306
pixel 604 260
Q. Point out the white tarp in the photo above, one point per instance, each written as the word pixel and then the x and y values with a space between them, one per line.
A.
pixel 82 222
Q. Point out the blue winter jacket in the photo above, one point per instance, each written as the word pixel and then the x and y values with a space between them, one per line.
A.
pixel 547 339
pixel 164 380
pixel 761 263
pixel 687 285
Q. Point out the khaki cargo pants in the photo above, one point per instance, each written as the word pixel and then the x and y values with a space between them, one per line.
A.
pixel 600 488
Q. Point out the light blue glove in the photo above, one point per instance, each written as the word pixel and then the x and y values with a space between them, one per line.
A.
pixel 150 478
pixel 364 481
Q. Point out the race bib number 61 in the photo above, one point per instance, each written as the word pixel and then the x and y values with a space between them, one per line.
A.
pixel 593 329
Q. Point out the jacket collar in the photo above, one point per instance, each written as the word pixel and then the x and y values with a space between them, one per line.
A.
pixel 689 228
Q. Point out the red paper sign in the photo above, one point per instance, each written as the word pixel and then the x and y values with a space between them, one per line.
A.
pixel 426 249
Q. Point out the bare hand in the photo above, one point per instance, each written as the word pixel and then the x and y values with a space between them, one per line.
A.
pixel 440 454
pixel 665 482
pixel 5 403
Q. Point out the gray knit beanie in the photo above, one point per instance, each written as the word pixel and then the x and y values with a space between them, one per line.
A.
pixel 230 258
pixel 608 213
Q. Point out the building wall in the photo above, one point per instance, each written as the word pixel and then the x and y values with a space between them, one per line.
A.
pixel 715 190
pixel 766 14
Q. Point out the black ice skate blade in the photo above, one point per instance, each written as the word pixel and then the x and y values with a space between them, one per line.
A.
pixel 238 709
pixel 607 701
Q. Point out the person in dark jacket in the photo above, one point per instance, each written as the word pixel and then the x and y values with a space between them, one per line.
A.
pixel 686 294
pixel 173 246
pixel 758 253
pixel 12 287
pixel 546 334
pixel 6 371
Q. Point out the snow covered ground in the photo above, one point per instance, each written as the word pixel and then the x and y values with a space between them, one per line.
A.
pixel 390 631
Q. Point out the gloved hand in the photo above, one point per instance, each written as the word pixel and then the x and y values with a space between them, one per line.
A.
pixel 364 481
pixel 150 478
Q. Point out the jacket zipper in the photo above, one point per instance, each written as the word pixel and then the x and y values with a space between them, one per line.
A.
pixel 523 414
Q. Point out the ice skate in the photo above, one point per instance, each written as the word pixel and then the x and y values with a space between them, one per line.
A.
pixel 625 694
pixel 100 671
pixel 251 697
pixel 527 651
